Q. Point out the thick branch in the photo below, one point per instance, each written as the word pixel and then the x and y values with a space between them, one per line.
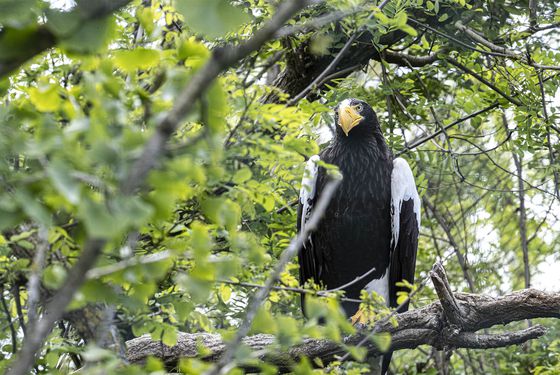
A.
pixel 410 60
pixel 449 304
pixel 423 326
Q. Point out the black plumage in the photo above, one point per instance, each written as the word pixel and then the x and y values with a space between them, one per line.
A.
pixel 355 233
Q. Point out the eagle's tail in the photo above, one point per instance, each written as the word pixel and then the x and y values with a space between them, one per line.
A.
pixel 386 361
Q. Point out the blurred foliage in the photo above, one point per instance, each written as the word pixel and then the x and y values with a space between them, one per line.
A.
pixel 219 209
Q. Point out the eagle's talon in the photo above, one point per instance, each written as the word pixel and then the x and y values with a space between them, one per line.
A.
pixel 359 319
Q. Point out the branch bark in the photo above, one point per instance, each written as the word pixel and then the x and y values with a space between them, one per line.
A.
pixel 452 322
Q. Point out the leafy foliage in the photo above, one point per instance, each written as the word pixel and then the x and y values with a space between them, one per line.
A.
pixel 188 251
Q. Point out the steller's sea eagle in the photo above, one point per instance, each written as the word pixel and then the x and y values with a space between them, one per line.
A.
pixel 372 220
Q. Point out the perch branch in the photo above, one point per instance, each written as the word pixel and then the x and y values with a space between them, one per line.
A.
pixel 449 304
pixel 429 325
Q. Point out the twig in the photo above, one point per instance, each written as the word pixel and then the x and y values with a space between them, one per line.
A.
pixel 522 219
pixel 351 282
pixel 11 321
pixel 34 283
pixel 96 273
pixel 427 138
pixel 457 64
pixel 320 293
pixel 455 40
pixel 19 310
pixel 548 140
pixel 445 226
pixel 315 23
pixel 326 71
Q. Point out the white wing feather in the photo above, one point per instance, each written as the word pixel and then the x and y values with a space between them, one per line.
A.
pixel 308 188
pixel 403 188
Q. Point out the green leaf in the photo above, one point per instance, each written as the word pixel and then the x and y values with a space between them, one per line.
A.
pixel 32 206
pixel 213 18
pixel 59 173
pixel 94 353
pixel 106 220
pixel 147 18
pixel 99 222
pixel 424 41
pixel 45 98
pixel 52 358
pixel 400 19
pixel 222 211
pixel 139 58
pixel 409 30
pixel 382 340
pixel 358 352
pixel 54 276
pixel 443 17
pixel 62 24
pixel 198 289
pixel 242 175
pixel 17 13
pixel 169 337
pixel 382 18
pixel 264 322
pixel 225 293
pixel 92 36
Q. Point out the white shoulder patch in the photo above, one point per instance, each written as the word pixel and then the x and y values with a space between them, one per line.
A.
pixel 403 188
pixel 308 188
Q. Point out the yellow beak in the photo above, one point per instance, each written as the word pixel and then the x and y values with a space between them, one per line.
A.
pixel 348 117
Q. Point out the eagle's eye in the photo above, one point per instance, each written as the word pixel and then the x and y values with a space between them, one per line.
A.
pixel 359 108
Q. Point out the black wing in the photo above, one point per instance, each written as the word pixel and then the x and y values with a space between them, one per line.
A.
pixel 406 216
pixel 403 258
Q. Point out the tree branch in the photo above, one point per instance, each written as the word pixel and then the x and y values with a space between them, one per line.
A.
pixel 421 141
pixel 424 326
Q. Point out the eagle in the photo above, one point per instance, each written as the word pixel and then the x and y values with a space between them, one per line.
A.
pixel 368 236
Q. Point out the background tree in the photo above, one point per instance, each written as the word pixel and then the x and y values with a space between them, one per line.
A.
pixel 151 153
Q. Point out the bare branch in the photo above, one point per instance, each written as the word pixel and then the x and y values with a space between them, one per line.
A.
pixel 411 60
pixel 13 333
pixel 34 283
pixel 421 141
pixel 522 219
pixel 450 306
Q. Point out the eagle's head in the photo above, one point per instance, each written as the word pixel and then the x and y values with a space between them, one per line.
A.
pixel 355 117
